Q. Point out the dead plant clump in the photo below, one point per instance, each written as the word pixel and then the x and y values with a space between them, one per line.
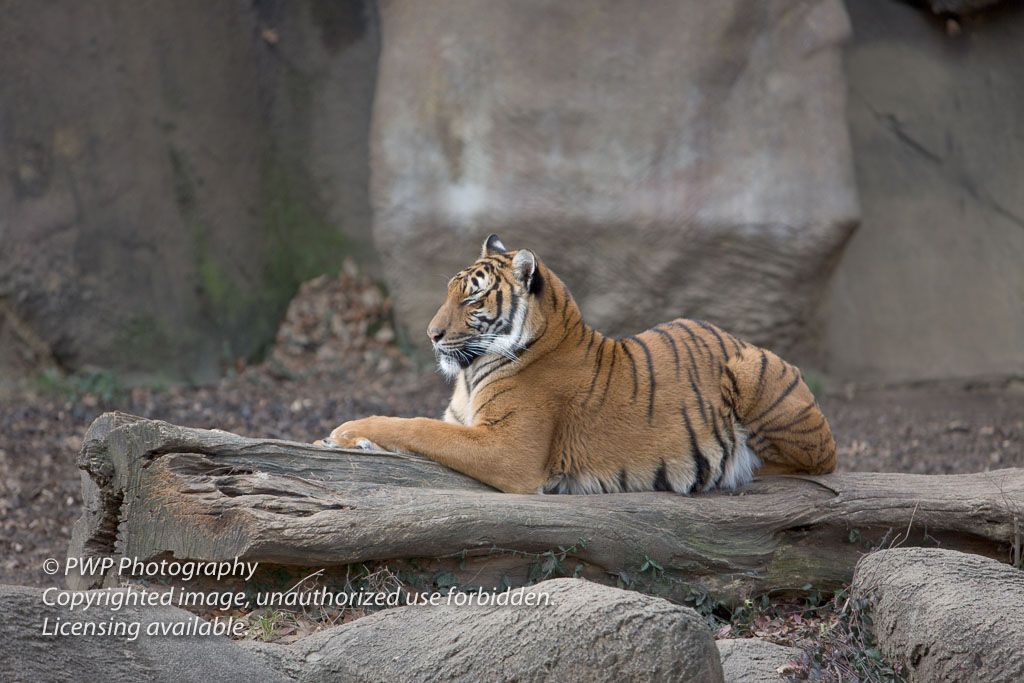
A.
pixel 833 630
pixel 336 323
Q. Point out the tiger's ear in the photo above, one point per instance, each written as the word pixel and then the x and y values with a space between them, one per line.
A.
pixel 492 246
pixel 524 268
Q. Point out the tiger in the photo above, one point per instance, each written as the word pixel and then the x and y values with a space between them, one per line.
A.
pixel 544 403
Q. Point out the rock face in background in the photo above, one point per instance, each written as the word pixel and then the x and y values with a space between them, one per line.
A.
pixel 959 6
pixel 932 285
pixel 665 158
pixel 172 172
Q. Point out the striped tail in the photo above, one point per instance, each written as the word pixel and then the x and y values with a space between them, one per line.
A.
pixel 785 427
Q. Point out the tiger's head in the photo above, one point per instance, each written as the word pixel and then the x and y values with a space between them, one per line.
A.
pixel 487 308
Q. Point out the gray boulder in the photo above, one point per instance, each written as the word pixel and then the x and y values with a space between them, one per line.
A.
pixel 588 632
pixel 751 660
pixel 945 615
pixel 580 631
pixel 665 158
pixel 30 650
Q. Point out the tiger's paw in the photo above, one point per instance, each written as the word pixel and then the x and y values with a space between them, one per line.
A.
pixel 367 433
pixel 344 442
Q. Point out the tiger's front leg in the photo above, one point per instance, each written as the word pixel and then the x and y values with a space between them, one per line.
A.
pixel 504 456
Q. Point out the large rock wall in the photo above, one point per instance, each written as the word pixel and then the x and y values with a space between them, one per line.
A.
pixel 172 171
pixel 665 158
pixel 932 284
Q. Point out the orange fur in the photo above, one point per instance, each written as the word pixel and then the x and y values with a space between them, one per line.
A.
pixel 547 404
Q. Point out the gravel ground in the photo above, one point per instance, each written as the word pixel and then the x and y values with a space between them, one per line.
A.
pixel 327 368
pixel 928 431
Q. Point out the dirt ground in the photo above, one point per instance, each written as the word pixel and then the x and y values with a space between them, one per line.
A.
pixel 325 370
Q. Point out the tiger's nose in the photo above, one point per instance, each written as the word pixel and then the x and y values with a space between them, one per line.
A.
pixel 435 334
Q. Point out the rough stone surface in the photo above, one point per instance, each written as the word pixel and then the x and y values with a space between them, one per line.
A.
pixel 665 158
pixel 588 632
pixel 930 287
pixel 751 660
pixel 960 6
pixel 945 615
pixel 29 655
pixel 165 169
pixel 22 352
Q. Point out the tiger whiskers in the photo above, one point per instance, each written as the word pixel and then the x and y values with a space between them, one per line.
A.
pixel 450 361
pixel 506 353
pixel 502 345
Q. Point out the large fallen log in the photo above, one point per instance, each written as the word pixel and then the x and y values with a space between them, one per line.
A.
pixel 155 490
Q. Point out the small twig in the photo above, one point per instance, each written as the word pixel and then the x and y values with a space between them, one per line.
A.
pixel 881 543
pixel 316 573
pixel 495 550
pixel 1015 548
pixel 907 534
pixel 1016 541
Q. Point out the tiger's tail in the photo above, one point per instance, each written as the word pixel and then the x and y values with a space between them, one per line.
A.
pixel 785 427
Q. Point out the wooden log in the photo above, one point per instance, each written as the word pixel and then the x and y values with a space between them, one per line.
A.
pixel 154 489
